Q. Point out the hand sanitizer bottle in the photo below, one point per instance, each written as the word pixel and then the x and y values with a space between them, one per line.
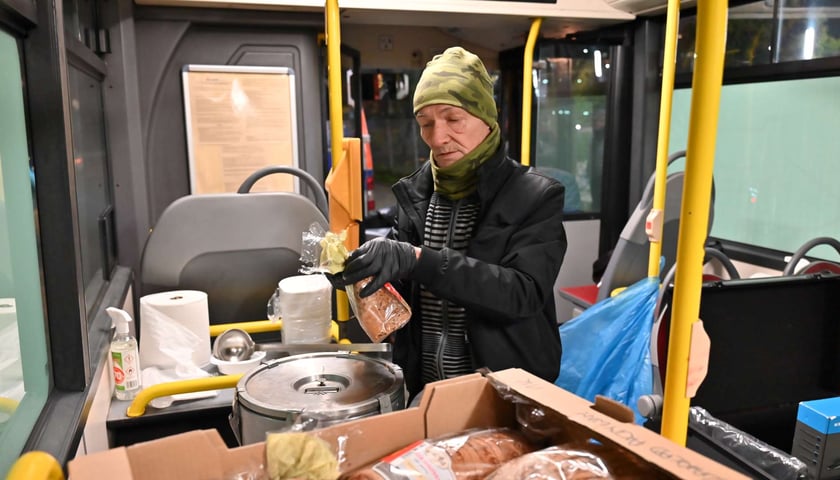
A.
pixel 125 360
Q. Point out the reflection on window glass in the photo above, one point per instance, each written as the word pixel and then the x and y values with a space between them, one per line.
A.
pixel 570 110
pixel 808 31
pixel 804 30
pixel 395 144
pixel 91 167
pixel 79 18
pixel 23 353
pixel 776 165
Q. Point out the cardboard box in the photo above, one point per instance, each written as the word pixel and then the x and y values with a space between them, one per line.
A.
pixel 448 406
pixel 199 454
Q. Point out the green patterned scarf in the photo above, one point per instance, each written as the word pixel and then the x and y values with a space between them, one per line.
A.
pixel 461 178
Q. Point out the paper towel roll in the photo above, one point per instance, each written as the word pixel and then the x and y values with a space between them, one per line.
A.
pixel 174 325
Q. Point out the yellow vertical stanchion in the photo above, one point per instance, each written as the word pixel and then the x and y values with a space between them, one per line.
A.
pixel 700 156
pixel 656 216
pixel 527 90
pixel 333 23
pixel 344 181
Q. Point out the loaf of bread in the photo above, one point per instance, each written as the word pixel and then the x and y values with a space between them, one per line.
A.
pixel 380 314
pixel 553 463
pixel 468 455
pixel 578 461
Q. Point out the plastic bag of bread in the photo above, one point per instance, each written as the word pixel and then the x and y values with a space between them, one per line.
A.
pixel 553 463
pixel 379 314
pixel 471 454
pixel 578 460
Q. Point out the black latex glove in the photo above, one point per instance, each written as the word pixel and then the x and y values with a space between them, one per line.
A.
pixel 386 260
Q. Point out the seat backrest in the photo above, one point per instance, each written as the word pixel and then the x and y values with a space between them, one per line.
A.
pixel 662 312
pixel 233 246
pixel 629 260
pixel 816 266
pixel 775 342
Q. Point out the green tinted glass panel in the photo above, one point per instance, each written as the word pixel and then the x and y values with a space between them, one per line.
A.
pixel 776 165
pixel 24 381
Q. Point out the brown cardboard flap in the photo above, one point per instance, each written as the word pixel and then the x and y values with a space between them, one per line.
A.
pixel 614 409
pixel 656 449
pixel 105 465
pixel 247 461
pixel 466 404
pixel 195 454
pixel 367 440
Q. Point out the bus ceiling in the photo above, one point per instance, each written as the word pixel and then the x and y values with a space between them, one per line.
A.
pixel 466 19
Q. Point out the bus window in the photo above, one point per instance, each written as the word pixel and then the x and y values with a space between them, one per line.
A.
pixel 395 144
pixel 775 161
pixel 570 106
pixel 775 157
pixel 23 346
pixel 803 30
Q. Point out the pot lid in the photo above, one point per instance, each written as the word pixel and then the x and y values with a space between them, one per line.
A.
pixel 324 384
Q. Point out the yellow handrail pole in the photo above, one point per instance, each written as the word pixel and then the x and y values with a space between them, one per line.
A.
pixel 138 405
pixel 333 21
pixel 668 68
pixel 700 157
pixel 527 90
pixel 36 465
pixel 334 81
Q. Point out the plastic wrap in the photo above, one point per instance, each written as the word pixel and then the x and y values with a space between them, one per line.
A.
pixel 553 463
pixel 553 432
pixel 468 455
pixel 753 452
pixel 300 456
pixel 380 314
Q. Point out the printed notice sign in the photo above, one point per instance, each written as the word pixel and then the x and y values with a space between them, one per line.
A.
pixel 239 119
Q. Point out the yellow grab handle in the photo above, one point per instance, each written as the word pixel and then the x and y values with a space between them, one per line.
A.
pixel 138 406
pixel 36 465
pixel 261 326
pixel 8 405
pixel 258 326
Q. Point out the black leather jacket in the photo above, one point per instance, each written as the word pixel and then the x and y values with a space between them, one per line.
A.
pixel 505 281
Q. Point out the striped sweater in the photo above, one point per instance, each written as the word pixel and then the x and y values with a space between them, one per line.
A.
pixel 445 344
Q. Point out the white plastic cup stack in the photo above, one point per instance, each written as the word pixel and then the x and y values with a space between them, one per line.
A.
pixel 304 303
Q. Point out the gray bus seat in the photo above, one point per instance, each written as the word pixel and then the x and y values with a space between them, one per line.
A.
pixel 629 260
pixel 233 246
pixel 774 344
pixel 662 313
pixel 815 266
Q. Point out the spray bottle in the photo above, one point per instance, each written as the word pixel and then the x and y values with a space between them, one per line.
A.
pixel 125 359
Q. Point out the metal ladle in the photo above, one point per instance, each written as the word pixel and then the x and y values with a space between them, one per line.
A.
pixel 233 345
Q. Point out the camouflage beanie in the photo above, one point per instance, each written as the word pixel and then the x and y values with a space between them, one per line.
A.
pixel 457 77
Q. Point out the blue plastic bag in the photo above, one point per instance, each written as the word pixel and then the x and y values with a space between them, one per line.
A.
pixel 606 349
